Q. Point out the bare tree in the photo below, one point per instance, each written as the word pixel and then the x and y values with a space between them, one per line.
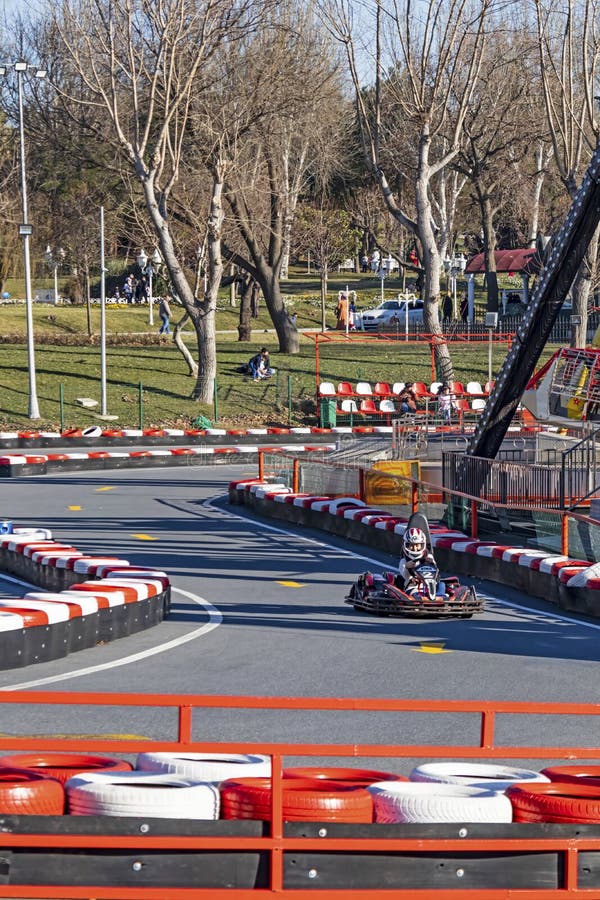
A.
pixel 288 79
pixel 496 141
pixel 430 74
pixel 329 235
pixel 569 48
pixel 138 64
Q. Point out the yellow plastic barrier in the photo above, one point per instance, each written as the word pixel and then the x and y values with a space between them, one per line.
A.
pixel 381 487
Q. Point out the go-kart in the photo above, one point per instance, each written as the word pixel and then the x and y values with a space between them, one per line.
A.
pixel 427 595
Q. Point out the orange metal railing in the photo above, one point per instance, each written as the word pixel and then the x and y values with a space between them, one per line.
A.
pixel 489 720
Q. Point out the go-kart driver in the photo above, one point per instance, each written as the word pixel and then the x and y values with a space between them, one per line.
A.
pixel 414 555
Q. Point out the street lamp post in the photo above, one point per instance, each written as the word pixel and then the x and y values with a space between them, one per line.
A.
pixel 455 266
pixel 54 261
pixel 25 231
pixel 150 268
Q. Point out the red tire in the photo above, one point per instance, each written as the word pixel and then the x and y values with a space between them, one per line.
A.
pixel 72 432
pixel 555 802
pixel 303 800
pixel 573 774
pixel 356 777
pixel 63 766
pixel 25 793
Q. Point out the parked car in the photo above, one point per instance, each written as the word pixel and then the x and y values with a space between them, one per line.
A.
pixel 392 313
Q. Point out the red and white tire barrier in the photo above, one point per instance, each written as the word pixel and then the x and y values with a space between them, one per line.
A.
pixel 480 775
pixel 422 803
pixel 62 766
pixel 206 767
pixel 141 794
pixel 303 800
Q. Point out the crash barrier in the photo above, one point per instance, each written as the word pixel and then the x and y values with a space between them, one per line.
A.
pixel 86 600
pixel 286 848
pixel 17 465
pixel 124 437
pixel 557 531
pixel 572 584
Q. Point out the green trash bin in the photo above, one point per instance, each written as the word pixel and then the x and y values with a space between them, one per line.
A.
pixel 327 413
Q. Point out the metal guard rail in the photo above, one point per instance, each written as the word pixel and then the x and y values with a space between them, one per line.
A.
pixel 276 843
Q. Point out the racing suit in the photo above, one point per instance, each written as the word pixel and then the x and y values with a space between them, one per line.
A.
pixel 405 579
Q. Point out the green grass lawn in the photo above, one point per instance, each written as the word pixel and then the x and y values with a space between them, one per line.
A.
pixel 152 369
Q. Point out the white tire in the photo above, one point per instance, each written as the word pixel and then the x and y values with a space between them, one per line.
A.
pixel 141 794
pixel 488 777
pixel 406 801
pixel 207 767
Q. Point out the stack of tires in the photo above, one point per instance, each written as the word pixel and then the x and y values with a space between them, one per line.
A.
pixel 209 786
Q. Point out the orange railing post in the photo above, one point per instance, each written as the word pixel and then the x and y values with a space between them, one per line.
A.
pixel 474 523
pixel 295 475
pixel 564 534
pixel 261 465
pixel 414 500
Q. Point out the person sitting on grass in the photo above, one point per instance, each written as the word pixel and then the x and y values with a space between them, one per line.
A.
pixel 259 365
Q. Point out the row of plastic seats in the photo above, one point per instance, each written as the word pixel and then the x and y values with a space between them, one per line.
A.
pixel 370 407
pixel 384 390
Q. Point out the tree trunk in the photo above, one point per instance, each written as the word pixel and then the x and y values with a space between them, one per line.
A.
pixel 431 259
pixel 88 298
pixel 323 298
pixel 541 161
pixel 245 322
pixel 205 330
pixel 489 248
pixel 580 291
pixel 199 312
pixel 287 333
pixel 178 341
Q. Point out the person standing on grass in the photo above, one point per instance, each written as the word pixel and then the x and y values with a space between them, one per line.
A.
pixel 164 311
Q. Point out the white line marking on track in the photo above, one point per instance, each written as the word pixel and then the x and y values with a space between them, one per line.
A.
pixel 214 620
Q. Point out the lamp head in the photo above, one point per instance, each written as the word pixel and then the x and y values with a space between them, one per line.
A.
pixel 142 260
pixel 156 257
pixel 20 66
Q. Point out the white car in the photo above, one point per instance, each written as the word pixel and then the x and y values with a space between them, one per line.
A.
pixel 392 314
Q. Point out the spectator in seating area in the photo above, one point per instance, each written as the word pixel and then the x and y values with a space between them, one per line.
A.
pixel 408 399
pixel 364 263
pixel 446 403
pixel 464 309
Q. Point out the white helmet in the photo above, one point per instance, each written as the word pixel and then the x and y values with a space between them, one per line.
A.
pixel 415 544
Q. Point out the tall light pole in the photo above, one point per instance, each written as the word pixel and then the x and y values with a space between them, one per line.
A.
pixel 150 267
pixel 455 266
pixel 25 231
pixel 54 260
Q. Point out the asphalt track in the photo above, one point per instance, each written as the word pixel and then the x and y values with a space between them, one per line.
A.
pixel 258 610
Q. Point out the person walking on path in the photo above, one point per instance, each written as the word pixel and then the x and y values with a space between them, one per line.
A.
pixel 164 311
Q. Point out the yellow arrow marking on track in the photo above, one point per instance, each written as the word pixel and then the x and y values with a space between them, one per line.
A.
pixel 75 507
pixel 431 648
pixel 144 537
pixel 109 487
pixel 290 583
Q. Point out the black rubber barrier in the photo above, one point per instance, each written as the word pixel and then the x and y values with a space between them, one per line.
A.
pixel 520 869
